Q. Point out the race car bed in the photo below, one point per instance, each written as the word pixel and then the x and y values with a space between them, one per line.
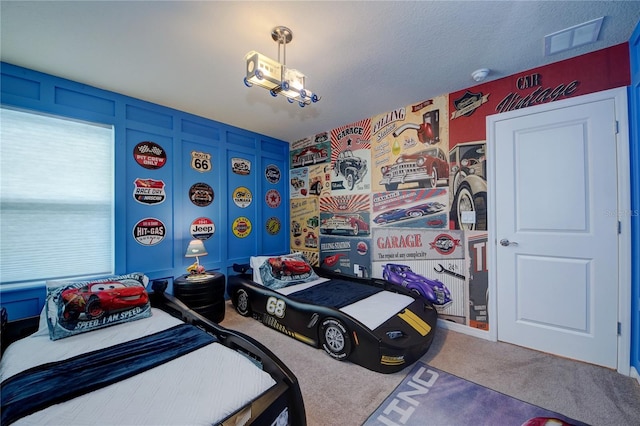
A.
pixel 161 364
pixel 369 322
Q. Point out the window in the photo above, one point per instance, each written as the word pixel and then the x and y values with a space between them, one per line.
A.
pixel 56 198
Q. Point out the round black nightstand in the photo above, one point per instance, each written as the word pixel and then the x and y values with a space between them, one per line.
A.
pixel 202 293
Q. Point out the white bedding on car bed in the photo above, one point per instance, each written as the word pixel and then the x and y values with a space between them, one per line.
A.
pixel 199 388
pixel 371 311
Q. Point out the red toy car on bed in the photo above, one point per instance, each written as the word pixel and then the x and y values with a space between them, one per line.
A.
pixel 95 300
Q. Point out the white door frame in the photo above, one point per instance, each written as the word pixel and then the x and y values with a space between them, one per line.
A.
pixel 623 211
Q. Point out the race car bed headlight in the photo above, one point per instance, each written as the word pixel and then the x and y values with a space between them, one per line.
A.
pixel 394 334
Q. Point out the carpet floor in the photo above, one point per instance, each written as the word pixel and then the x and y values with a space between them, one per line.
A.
pixel 344 394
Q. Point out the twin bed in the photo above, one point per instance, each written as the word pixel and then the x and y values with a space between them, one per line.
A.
pixel 109 352
pixel 379 326
pixel 169 366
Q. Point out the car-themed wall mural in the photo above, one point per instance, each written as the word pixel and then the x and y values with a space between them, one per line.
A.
pixel 345 215
pixel 410 145
pixel 468 186
pixel 299 182
pixel 310 151
pixel 305 225
pixel 351 158
pixel 418 208
pixel 426 166
pixel 346 256
pixel 430 263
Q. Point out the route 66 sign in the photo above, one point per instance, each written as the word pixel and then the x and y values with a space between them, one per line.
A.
pixel 201 161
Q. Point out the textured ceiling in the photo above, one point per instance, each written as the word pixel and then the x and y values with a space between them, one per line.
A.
pixel 362 58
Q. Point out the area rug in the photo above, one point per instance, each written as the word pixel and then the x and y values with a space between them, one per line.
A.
pixel 428 396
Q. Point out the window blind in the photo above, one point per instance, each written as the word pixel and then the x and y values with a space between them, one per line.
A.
pixel 56 197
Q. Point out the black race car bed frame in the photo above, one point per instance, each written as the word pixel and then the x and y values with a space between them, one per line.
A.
pixel 399 341
pixel 280 404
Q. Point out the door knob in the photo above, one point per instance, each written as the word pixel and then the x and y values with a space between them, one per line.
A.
pixel 506 242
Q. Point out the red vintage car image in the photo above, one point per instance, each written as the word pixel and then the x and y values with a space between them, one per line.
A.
pixel 96 300
pixel 286 267
pixel 425 168
pixel 349 223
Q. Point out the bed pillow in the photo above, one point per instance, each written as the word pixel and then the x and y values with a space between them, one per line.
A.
pixel 257 261
pixel 78 307
pixel 282 271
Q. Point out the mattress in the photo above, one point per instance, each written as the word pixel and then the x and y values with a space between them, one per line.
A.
pixel 201 387
pixel 371 311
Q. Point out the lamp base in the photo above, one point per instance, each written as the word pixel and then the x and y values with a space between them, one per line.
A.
pixel 199 277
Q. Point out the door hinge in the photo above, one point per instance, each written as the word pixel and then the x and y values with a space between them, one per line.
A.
pixel 619 227
pixel 619 329
pixel 617 127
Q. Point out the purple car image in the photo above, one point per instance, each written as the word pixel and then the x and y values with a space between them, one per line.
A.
pixel 432 290
pixel 410 212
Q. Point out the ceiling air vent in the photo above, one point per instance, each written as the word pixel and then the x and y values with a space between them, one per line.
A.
pixel 575 36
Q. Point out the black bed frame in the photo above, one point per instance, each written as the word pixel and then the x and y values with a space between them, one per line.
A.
pixel 264 410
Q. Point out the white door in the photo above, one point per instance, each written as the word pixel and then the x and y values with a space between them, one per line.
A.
pixel 557 230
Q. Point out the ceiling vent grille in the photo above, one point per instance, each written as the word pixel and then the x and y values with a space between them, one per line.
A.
pixel 575 36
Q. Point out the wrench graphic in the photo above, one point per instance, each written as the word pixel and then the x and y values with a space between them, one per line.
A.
pixel 444 270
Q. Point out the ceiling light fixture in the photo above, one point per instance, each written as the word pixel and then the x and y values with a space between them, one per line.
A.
pixel 275 76
pixel 480 75
pixel 571 37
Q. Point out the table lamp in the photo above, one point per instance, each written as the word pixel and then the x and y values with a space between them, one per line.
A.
pixel 196 249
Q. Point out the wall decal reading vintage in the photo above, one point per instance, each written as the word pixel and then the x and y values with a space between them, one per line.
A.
pixel 149 155
pixel 201 194
pixel 241 227
pixel 149 231
pixel 540 95
pixel 242 197
pixel 240 166
pixel 148 191
pixel 272 174
pixel 201 162
pixel 202 228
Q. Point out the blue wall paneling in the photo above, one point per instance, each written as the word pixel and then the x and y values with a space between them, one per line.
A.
pixel 179 135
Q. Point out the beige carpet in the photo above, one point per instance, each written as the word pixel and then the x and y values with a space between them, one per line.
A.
pixel 345 394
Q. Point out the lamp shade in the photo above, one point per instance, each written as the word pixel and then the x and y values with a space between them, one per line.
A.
pixel 196 248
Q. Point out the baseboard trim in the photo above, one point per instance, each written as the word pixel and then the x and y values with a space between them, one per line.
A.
pixel 465 329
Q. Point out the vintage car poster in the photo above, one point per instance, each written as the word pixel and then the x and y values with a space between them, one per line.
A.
pixel 468 186
pixel 318 138
pixel 476 243
pixel 414 208
pixel 351 159
pixel 410 147
pixel 346 256
pixel 428 262
pixel 305 223
pixel 320 180
pixel 299 182
pixel 345 215
pixel 316 153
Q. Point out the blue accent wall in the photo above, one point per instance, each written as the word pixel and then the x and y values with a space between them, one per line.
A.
pixel 634 149
pixel 179 134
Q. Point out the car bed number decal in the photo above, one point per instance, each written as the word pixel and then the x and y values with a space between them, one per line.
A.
pixel 276 307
